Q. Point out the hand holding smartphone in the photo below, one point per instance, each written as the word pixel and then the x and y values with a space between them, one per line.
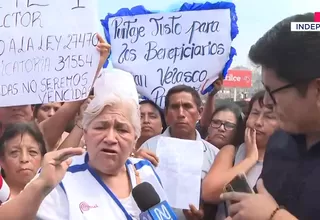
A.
pixel 238 184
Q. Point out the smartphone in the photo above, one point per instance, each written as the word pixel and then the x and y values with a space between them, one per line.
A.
pixel 239 184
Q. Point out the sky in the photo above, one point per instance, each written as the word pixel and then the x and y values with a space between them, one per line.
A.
pixel 255 17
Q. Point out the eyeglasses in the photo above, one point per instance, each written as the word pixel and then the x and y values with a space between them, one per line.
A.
pixel 272 92
pixel 227 125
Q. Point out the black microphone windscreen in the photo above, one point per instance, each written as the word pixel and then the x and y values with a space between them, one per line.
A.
pixel 145 196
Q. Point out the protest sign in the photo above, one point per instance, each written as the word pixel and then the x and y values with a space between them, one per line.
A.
pixel 47 50
pixel 163 50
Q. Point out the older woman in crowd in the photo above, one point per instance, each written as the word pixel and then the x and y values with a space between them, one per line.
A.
pixel 54 167
pixel 21 151
pixel 99 183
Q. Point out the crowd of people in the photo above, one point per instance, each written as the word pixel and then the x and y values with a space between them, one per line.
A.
pixel 112 139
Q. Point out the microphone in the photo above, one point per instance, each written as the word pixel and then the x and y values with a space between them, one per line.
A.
pixel 4 191
pixel 150 204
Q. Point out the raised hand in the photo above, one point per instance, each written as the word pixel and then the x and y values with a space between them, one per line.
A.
pixel 217 86
pixel 104 48
pixel 250 139
pixel 55 165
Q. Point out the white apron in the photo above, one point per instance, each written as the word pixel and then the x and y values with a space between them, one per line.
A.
pixel 82 195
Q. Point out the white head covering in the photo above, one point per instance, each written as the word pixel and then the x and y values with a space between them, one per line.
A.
pixel 116 82
pixel 114 85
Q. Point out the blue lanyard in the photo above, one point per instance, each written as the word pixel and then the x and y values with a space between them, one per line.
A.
pixel 106 188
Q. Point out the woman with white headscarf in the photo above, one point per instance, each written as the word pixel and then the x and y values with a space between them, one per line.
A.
pixel 98 184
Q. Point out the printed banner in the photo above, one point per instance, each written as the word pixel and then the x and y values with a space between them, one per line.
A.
pixel 238 79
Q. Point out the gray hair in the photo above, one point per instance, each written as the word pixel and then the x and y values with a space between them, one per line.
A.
pixel 98 103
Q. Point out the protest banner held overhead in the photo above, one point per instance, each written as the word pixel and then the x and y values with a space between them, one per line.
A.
pixel 47 50
pixel 191 46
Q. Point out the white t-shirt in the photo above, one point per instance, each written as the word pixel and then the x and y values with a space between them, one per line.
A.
pixel 131 206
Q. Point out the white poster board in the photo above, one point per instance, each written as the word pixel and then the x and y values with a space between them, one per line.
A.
pixel 47 50
pixel 180 169
pixel 167 49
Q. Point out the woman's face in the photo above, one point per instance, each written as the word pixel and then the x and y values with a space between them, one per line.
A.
pixel 47 110
pixel 151 124
pixel 264 121
pixel 222 128
pixel 110 138
pixel 21 160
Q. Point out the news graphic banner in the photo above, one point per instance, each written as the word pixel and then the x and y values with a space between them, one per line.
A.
pixel 47 50
pixel 191 46
pixel 307 26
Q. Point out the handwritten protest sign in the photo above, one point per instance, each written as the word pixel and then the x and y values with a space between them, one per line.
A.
pixel 167 49
pixel 47 50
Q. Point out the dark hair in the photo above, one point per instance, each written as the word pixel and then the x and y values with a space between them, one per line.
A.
pixel 163 121
pixel 37 107
pixel 294 56
pixel 36 110
pixel 31 128
pixel 244 105
pixel 12 130
pixel 236 110
pixel 183 88
pixel 256 97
